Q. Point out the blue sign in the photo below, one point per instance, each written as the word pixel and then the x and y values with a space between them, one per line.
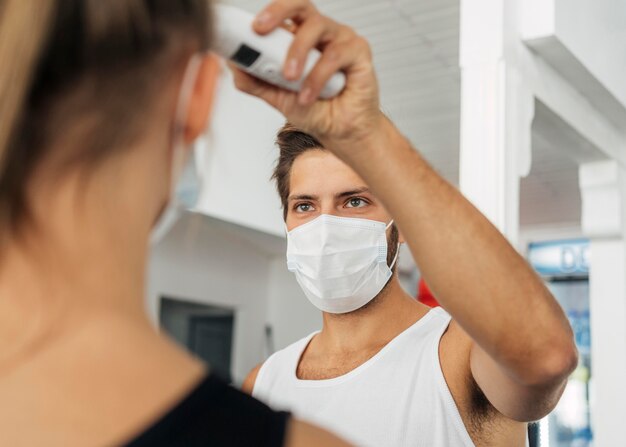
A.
pixel 560 258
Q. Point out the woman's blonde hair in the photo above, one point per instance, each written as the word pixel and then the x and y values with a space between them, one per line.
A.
pixel 19 52
pixel 116 53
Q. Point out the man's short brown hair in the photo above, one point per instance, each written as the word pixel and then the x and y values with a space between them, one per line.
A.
pixel 291 142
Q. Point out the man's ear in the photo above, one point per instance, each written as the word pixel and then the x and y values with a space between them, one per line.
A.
pixel 401 239
pixel 202 98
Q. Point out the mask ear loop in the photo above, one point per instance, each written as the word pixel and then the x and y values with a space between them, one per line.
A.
pixel 180 116
pixel 170 214
pixel 395 258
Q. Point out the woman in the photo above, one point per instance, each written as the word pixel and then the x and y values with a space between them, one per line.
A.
pixel 98 99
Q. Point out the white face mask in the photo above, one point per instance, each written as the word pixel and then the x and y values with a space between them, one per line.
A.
pixel 186 178
pixel 340 262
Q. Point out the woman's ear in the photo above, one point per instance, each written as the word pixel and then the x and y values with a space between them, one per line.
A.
pixel 202 98
pixel 401 239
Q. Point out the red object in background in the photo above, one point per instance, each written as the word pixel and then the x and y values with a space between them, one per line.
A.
pixel 425 296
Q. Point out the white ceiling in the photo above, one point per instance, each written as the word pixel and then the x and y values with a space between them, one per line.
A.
pixel 416 50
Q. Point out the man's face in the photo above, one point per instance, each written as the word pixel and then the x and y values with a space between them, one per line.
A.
pixel 320 183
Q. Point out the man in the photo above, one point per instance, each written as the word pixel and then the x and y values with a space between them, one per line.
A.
pixel 386 370
pixel 385 341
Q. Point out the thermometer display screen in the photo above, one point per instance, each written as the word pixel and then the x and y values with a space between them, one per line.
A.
pixel 245 56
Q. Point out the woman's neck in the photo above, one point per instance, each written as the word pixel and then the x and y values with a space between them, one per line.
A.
pixel 74 261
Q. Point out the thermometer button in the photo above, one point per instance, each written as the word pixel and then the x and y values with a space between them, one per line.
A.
pixel 270 71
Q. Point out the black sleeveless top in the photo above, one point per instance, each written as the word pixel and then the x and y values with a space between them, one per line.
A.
pixel 215 414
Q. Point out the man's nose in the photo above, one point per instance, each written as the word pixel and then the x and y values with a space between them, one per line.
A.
pixel 328 208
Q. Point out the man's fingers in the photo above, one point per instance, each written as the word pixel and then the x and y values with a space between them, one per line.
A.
pixel 249 84
pixel 313 32
pixel 274 14
pixel 337 56
pixel 280 99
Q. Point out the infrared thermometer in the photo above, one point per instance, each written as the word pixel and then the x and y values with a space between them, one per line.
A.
pixel 263 56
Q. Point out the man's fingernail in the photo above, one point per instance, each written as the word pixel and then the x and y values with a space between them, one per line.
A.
pixel 263 18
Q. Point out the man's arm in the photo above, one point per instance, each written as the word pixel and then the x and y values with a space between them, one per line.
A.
pixel 523 348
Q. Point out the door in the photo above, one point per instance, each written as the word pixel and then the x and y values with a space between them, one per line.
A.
pixel 211 339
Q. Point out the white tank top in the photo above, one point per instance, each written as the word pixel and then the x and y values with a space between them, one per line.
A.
pixel 397 398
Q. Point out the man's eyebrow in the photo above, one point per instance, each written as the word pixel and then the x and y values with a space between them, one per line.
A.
pixel 352 192
pixel 340 195
pixel 302 197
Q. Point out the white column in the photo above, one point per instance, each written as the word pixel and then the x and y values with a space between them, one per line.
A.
pixel 497 109
pixel 603 190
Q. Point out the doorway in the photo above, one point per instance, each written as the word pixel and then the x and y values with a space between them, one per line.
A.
pixel 204 330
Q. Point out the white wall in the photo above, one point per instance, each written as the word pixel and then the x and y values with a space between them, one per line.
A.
pixel 603 192
pixel 199 262
pixel 585 42
pixel 608 340
pixel 595 32
pixel 240 159
pixel 290 313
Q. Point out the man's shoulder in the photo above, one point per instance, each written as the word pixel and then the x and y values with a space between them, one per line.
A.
pixel 248 384
pixel 277 361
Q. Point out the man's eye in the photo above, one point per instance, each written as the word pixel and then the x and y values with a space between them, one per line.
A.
pixel 303 207
pixel 356 203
